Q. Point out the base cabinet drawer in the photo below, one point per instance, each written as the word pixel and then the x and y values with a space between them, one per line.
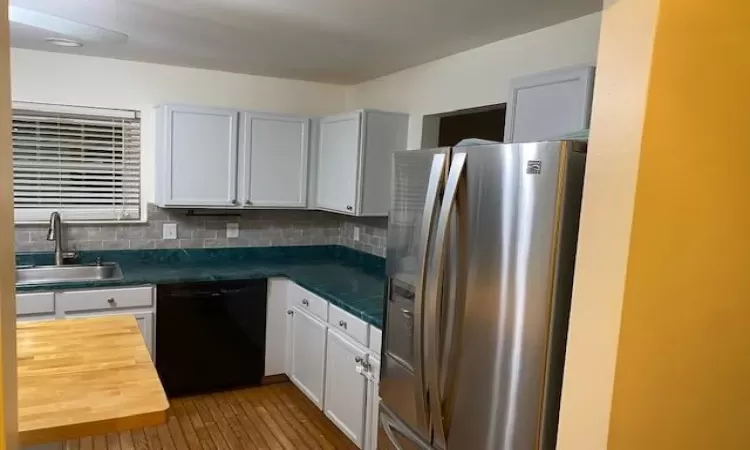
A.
pixel 105 299
pixel 35 304
pixel 308 302
pixel 346 323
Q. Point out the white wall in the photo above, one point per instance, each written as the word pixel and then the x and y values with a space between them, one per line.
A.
pixel 479 76
pixel 109 83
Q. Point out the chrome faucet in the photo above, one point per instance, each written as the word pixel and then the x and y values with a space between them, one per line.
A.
pixel 55 234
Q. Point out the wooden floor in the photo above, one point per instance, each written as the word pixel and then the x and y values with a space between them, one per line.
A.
pixel 277 416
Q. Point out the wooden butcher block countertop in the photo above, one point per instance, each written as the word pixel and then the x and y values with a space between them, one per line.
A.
pixel 81 377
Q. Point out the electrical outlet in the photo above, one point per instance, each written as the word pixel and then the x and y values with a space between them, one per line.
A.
pixel 233 230
pixel 169 231
pixel 356 233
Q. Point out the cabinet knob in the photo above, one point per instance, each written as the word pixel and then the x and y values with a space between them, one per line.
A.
pixel 342 324
pixel 248 202
pixel 349 207
pixel 235 202
pixel 289 312
pixel 358 359
pixel 111 300
pixel 305 302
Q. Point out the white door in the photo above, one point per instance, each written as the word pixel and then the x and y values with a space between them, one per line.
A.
pixel 338 163
pixel 308 354
pixel 346 388
pixel 549 105
pixel 274 163
pixel 201 156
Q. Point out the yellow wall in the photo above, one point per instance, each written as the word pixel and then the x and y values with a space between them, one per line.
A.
pixel 620 95
pixel 683 364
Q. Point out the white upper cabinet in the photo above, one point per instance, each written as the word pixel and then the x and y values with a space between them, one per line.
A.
pixel 549 105
pixel 196 162
pixel 273 160
pixel 354 161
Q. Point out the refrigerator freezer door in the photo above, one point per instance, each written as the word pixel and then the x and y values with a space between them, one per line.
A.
pixel 418 178
pixel 395 435
pixel 516 201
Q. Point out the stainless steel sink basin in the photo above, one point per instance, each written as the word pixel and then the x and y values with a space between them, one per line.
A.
pixel 67 273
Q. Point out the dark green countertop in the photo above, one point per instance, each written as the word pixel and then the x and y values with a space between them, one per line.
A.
pixel 351 280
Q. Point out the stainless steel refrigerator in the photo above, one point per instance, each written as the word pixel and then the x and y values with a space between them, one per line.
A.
pixel 481 249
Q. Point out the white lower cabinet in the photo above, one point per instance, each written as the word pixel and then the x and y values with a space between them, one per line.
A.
pixel 346 387
pixel 135 301
pixel 373 404
pixel 332 356
pixel 307 354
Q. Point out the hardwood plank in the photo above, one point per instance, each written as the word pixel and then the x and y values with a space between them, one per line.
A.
pixel 193 442
pixel 100 442
pixel 165 437
pixel 87 443
pixel 232 436
pixel 113 441
pixel 292 410
pixel 126 440
pixel 273 417
pixel 291 427
pixel 254 399
pixel 200 429
pixel 152 437
pixel 333 434
pixel 250 427
pixel 139 439
pixel 264 430
pixel 175 431
pixel 210 423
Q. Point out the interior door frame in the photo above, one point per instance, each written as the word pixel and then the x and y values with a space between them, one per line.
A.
pixel 8 376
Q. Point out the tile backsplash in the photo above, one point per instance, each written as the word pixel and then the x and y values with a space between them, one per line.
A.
pixel 258 228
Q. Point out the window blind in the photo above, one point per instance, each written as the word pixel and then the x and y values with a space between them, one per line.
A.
pixel 82 162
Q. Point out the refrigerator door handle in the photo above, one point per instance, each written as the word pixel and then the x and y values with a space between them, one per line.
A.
pixel 433 320
pixel 428 217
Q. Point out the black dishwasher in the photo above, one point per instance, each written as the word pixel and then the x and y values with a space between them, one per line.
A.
pixel 210 336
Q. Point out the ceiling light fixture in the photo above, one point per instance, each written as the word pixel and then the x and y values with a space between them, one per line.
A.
pixel 62 42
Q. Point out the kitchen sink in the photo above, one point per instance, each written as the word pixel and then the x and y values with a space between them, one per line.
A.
pixel 26 275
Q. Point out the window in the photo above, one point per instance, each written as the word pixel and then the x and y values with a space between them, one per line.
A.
pixel 82 162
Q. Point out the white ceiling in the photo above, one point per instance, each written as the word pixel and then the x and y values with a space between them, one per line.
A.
pixel 337 41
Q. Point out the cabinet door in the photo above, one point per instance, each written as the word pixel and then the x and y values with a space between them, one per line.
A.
pixel 200 156
pixel 274 162
pixel 549 105
pixel 339 163
pixel 308 353
pixel 146 325
pixel 346 388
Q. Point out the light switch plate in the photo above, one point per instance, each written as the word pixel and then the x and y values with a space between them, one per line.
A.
pixel 356 233
pixel 233 230
pixel 169 231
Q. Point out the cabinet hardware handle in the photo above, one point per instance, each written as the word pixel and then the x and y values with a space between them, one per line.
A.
pixel 407 313
pixel 289 312
pixel 342 324
pixel 358 359
pixel 349 208
pixel 111 300
pixel 305 302
pixel 248 202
